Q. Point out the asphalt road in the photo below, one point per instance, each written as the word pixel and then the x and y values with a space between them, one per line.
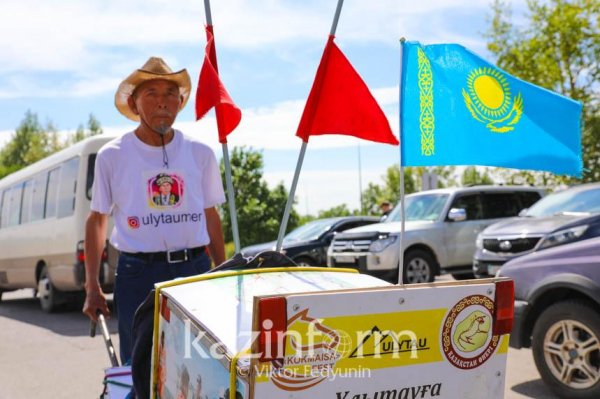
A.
pixel 52 356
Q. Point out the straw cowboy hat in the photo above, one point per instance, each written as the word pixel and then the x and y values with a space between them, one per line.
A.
pixel 154 68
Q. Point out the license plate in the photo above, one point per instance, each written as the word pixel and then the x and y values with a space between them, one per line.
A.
pixel 345 259
pixel 493 269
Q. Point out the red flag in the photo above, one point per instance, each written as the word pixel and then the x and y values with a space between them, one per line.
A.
pixel 341 103
pixel 211 93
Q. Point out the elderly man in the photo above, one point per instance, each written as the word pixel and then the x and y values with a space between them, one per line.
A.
pixel 157 241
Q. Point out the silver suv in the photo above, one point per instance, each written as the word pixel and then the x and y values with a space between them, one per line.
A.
pixel 441 229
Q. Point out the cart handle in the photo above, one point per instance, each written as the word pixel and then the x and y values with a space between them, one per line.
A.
pixel 106 335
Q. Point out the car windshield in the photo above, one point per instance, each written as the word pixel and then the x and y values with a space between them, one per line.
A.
pixel 310 231
pixel 568 201
pixel 420 207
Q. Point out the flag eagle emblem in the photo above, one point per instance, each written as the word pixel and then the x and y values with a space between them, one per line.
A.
pixel 489 100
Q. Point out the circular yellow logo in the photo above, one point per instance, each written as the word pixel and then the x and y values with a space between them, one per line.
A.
pixel 467 338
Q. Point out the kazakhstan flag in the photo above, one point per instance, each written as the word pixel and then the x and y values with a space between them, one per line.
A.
pixel 458 109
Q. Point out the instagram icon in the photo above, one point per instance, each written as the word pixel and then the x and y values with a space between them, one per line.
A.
pixel 133 222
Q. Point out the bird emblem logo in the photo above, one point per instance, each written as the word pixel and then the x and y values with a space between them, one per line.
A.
pixel 489 100
pixel 472 333
pixel 467 336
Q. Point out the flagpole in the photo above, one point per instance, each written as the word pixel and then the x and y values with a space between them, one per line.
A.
pixel 290 200
pixel 402 209
pixel 228 179
pixel 362 208
pixel 231 199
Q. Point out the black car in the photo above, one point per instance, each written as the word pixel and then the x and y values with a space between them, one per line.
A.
pixel 308 244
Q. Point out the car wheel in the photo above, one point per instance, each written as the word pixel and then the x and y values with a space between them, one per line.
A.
pixel 464 276
pixel 51 299
pixel 566 349
pixel 419 267
pixel 304 261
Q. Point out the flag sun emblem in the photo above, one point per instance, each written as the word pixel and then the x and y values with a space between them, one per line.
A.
pixel 489 100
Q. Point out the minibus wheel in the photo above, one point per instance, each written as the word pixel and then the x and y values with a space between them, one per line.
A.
pixel 51 299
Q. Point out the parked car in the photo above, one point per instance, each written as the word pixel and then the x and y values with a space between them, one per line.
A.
pixel 307 245
pixel 43 208
pixel 557 314
pixel 564 217
pixel 441 227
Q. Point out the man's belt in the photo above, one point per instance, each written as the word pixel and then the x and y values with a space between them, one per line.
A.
pixel 178 256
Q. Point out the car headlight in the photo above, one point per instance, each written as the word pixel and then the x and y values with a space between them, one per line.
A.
pixel 479 241
pixel 563 236
pixel 381 244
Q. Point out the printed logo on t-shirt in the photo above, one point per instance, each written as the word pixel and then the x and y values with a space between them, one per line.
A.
pixel 133 222
pixel 165 191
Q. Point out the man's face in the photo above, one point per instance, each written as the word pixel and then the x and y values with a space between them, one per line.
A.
pixel 385 207
pixel 157 102
pixel 165 188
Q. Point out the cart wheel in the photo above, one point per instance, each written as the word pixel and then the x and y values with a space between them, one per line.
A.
pixel 51 299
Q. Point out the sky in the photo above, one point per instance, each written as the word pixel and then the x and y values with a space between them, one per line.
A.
pixel 64 60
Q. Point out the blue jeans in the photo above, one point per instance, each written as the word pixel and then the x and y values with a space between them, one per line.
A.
pixel 135 279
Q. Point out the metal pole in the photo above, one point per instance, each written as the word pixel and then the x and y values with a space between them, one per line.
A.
pixel 362 207
pixel 402 210
pixel 228 180
pixel 336 18
pixel 290 201
pixel 207 12
pixel 306 193
pixel 231 199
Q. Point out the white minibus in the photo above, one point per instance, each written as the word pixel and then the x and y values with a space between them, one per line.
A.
pixel 43 209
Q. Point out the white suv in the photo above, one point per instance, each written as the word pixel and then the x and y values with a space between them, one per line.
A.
pixel 441 229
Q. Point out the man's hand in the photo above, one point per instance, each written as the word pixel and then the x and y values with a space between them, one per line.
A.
pixel 215 232
pixel 95 236
pixel 94 301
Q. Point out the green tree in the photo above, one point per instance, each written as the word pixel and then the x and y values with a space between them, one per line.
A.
pixel 445 174
pixel 389 190
pixel 558 47
pixel 259 209
pixel 31 142
pixel 472 177
pixel 306 219
pixel 372 196
pixel 337 211
pixel 93 128
pixel 530 178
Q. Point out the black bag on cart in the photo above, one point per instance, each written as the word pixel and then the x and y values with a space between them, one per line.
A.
pixel 143 321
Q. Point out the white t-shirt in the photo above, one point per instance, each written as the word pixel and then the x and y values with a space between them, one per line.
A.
pixel 154 208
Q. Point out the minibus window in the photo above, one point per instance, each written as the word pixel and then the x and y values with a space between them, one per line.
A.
pixel 68 186
pixel 38 199
pixel 51 193
pixel 26 208
pixel 90 176
pixel 15 204
pixel 5 207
